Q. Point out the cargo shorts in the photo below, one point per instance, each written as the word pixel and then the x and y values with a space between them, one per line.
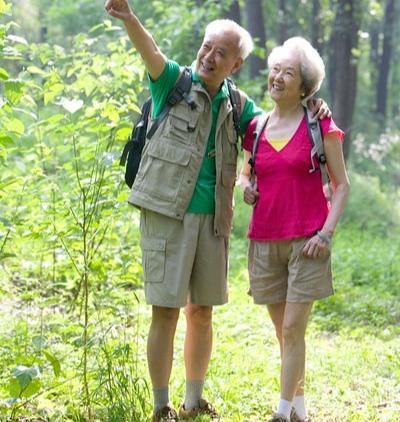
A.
pixel 279 272
pixel 183 261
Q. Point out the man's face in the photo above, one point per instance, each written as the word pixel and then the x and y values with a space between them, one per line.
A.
pixel 218 58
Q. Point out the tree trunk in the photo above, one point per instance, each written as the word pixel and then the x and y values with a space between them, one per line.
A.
pixel 255 23
pixel 233 12
pixel 316 28
pixel 282 19
pixel 385 60
pixel 343 63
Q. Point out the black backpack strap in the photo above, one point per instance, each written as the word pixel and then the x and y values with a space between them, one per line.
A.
pixel 317 147
pixel 236 101
pixel 178 93
pixel 138 131
pixel 260 126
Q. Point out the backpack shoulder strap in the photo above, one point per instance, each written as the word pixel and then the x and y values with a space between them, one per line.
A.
pixel 236 102
pixel 179 92
pixel 317 148
pixel 138 131
pixel 260 126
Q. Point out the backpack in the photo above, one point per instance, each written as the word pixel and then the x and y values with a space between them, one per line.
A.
pixel 132 153
pixel 317 145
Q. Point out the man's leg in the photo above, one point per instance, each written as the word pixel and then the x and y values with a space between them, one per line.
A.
pixel 197 352
pixel 160 345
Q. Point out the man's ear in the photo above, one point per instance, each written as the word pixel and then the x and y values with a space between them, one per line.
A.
pixel 237 65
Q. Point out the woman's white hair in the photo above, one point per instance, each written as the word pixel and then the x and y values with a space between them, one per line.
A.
pixel 245 45
pixel 312 67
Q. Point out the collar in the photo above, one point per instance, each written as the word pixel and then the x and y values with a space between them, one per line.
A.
pixel 223 91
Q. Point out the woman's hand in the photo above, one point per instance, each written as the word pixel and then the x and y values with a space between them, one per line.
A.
pixel 317 246
pixel 250 195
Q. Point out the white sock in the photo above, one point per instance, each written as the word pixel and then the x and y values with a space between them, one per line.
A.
pixel 300 407
pixel 161 397
pixel 284 408
pixel 194 391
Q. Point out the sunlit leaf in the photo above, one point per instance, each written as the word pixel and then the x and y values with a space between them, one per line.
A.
pixel 71 105
pixel 17 39
pixel 35 70
pixel 15 125
pixel 55 363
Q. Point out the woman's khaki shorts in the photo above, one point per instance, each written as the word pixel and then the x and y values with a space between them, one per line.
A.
pixel 279 272
pixel 183 261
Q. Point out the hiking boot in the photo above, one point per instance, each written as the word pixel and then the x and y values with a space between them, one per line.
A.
pixel 295 418
pixel 276 417
pixel 165 414
pixel 204 408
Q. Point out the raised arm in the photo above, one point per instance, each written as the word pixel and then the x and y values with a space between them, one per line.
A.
pixel 142 40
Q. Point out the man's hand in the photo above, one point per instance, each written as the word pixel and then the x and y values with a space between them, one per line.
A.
pixel 118 9
pixel 319 107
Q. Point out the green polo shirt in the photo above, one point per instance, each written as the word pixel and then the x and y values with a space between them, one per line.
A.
pixel 202 201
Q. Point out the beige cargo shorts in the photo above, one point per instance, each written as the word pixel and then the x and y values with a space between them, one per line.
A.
pixel 279 272
pixel 183 261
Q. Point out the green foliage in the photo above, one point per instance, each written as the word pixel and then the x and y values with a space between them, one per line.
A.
pixel 369 208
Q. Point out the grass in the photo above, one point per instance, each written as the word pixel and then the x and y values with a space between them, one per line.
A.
pixel 353 346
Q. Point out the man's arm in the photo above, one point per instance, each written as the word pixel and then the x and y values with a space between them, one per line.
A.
pixel 142 40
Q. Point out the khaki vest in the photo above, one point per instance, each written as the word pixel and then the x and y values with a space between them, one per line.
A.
pixel 171 161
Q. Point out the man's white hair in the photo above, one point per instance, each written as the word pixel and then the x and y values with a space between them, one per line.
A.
pixel 245 45
pixel 312 67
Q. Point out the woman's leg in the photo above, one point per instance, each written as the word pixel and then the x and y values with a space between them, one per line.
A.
pixel 293 357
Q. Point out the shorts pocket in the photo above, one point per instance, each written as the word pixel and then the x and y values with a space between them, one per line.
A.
pixel 153 259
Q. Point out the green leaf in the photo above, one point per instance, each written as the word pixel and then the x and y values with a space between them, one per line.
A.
pixel 3 74
pixel 6 140
pixel 3 7
pixel 36 71
pixel 14 90
pixel 71 105
pixel 25 374
pixel 16 126
pixel 53 91
pixel 14 387
pixel 39 342
pixel 55 363
pixel 17 39
pixel 32 388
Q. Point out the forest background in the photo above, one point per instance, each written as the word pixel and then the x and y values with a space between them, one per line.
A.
pixel 73 322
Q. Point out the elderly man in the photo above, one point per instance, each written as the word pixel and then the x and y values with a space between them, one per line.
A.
pixel 184 188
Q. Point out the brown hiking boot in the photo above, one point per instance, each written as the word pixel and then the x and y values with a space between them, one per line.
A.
pixel 166 414
pixel 295 418
pixel 204 408
pixel 276 417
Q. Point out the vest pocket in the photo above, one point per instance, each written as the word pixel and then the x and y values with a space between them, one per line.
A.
pixel 182 122
pixel 153 259
pixel 164 170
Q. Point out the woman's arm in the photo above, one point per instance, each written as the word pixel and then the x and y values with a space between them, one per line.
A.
pixel 339 180
pixel 317 245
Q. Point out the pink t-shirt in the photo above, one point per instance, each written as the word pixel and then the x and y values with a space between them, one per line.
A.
pixel 291 202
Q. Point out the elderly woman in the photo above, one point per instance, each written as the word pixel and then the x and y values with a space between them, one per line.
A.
pixel 292 223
